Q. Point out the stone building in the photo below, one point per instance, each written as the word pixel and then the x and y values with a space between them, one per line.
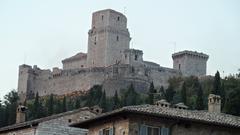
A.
pixel 109 62
pixel 161 119
pixel 53 125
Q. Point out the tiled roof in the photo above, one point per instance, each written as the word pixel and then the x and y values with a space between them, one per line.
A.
pixel 37 121
pixel 173 113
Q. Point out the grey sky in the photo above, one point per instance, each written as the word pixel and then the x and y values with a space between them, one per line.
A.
pixel 43 32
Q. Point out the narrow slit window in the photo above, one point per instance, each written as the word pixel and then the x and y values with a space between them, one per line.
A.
pixel 117 38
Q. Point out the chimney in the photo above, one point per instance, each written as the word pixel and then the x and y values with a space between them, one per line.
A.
pixel 21 114
pixel 214 103
pixel 162 103
pixel 181 106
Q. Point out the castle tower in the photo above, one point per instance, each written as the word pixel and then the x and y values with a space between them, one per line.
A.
pixel 190 63
pixel 24 81
pixel 107 38
pixel 214 103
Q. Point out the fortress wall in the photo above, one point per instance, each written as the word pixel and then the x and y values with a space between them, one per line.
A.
pixel 114 78
pixel 75 64
pixel 161 76
pixel 67 82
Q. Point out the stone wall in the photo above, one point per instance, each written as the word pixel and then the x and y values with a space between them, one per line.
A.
pixel 63 82
pixel 121 127
pixel 46 129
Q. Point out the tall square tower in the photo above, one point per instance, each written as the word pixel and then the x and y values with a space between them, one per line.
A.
pixel 107 38
pixel 190 63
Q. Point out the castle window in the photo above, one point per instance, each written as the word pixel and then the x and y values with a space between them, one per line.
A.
pixel 179 66
pixel 136 57
pixel 117 38
pixel 125 56
pixel 95 40
pixel 69 120
pixel 102 17
pixel 118 18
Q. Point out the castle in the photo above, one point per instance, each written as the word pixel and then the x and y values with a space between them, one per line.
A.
pixel 109 62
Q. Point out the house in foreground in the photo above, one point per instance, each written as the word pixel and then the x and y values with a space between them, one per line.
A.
pixel 52 125
pixel 160 119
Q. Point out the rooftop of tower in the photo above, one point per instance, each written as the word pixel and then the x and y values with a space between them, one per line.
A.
pixel 190 53
pixel 109 10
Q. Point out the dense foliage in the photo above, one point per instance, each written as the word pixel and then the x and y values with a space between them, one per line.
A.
pixel 192 91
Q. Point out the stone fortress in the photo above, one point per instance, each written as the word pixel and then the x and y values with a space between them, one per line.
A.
pixel 109 62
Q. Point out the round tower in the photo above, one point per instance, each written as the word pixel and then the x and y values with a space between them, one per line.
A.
pixel 107 38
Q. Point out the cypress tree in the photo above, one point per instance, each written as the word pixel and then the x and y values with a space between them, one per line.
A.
pixel 199 100
pixel 184 93
pixel 103 101
pixel 64 104
pixel 58 107
pixel 77 104
pixel 217 84
pixel 170 92
pixel 223 95
pixel 162 93
pixel 151 93
pixel 50 104
pixel 130 96
pixel 36 107
pixel 116 101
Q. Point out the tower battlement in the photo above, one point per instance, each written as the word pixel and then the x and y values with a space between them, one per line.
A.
pixel 190 53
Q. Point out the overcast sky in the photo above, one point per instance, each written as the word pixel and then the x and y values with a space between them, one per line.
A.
pixel 43 32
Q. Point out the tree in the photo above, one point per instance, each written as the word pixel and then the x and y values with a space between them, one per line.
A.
pixel 94 95
pixel 116 101
pixel 170 92
pixel 2 119
pixel 217 84
pixel 199 100
pixel 36 106
pixel 58 106
pixel 233 102
pixel 151 93
pixel 103 101
pixel 38 110
pixel 64 104
pixel 130 96
pixel 184 93
pixel 10 107
pixel 162 93
pixel 77 104
pixel 50 104
pixel 223 95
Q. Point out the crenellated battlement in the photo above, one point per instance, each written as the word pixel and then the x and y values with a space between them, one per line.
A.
pixel 190 53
